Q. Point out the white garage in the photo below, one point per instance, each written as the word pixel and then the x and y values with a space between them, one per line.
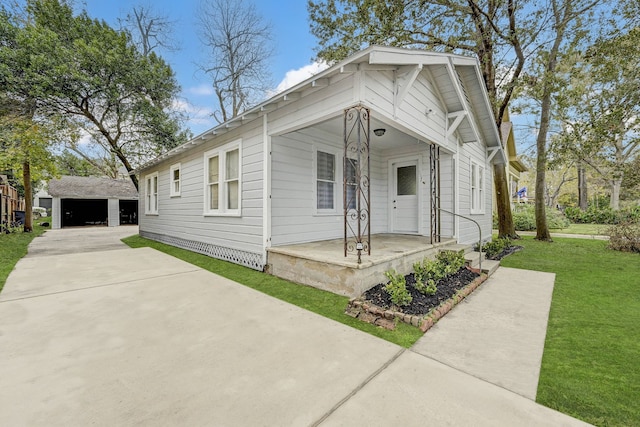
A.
pixel 89 201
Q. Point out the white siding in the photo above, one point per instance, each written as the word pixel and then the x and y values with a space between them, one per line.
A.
pixel 182 217
pixel 56 213
pixel 113 212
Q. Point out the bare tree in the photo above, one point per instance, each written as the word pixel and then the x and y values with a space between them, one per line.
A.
pixel 149 29
pixel 239 47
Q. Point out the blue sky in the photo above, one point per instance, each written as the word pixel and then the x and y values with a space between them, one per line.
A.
pixel 294 47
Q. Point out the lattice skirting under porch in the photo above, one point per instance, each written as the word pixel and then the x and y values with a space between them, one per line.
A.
pixel 248 259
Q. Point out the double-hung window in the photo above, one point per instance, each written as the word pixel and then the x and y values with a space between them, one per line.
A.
pixel 223 182
pixel 151 194
pixel 325 172
pixel 175 180
pixel 477 188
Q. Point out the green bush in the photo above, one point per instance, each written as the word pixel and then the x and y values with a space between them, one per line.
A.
pixel 524 218
pixel 428 272
pixel 625 237
pixel 496 246
pixel 397 288
pixel 603 215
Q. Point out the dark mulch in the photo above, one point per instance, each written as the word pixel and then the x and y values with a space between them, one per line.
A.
pixel 508 251
pixel 421 303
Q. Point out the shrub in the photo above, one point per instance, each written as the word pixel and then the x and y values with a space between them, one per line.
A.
pixel 625 237
pixel 524 218
pixel 603 215
pixel 496 246
pixel 428 272
pixel 452 261
pixel 397 288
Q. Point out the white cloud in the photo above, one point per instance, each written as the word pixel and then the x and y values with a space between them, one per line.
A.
pixel 199 118
pixel 293 77
pixel 202 90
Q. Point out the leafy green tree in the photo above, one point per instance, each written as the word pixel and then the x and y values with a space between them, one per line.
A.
pixel 71 164
pixel 94 78
pixel 24 144
pixel 497 32
pixel 602 106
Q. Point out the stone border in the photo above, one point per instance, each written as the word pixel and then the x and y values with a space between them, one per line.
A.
pixel 371 313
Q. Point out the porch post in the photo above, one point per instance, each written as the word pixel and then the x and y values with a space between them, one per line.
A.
pixel 434 168
pixel 355 182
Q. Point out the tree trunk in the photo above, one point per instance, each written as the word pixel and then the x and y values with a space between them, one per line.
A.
pixel 583 199
pixel 28 197
pixel 506 226
pixel 616 185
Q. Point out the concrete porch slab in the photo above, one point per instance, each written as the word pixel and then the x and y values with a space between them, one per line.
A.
pixel 323 265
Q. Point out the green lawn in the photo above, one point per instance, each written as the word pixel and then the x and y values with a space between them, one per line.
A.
pixel 14 246
pixel 324 303
pixel 591 362
pixel 590 229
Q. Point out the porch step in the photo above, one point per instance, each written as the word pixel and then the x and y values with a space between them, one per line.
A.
pixel 457 247
pixel 489 266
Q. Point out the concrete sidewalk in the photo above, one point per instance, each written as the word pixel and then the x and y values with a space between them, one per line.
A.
pixel 80 239
pixel 136 337
pixel 497 334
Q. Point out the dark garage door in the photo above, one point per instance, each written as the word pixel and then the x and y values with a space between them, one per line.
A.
pixel 79 212
pixel 128 212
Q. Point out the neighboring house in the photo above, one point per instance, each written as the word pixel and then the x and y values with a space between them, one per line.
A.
pixel 377 144
pixel 515 167
pixel 43 199
pixel 81 201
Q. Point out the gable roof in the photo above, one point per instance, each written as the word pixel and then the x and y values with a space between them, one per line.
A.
pixel 92 188
pixel 458 75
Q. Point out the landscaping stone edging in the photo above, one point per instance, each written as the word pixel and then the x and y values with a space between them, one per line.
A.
pixel 386 318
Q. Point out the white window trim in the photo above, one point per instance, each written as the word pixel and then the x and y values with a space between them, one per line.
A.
pixel 149 195
pixel 172 191
pixel 337 177
pixel 221 152
pixel 477 197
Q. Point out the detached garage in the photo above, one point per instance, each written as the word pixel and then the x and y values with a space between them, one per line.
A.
pixel 87 201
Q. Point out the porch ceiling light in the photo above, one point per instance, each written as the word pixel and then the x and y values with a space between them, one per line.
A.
pixel 379 132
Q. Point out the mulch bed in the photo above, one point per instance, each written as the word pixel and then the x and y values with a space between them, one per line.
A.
pixel 423 304
pixel 508 251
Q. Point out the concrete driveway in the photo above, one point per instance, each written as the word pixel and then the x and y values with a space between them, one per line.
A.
pixel 136 337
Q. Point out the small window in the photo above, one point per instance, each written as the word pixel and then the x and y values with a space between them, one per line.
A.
pixel 325 181
pixel 351 166
pixel 477 188
pixel 174 177
pixel 151 194
pixel 223 194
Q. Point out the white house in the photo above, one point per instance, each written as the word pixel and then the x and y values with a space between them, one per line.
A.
pixel 387 142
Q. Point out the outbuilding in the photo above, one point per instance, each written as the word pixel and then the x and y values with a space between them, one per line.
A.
pixel 85 201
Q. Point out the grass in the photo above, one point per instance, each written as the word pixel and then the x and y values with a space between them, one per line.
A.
pixel 13 246
pixel 589 229
pixel 592 350
pixel 321 302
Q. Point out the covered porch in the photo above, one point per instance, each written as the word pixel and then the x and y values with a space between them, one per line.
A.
pixel 322 264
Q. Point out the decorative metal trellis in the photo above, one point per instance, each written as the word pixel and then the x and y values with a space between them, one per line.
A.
pixel 356 183
pixel 434 156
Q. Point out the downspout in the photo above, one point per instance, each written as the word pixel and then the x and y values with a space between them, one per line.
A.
pixel 266 189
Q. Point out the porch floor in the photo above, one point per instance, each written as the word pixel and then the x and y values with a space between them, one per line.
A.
pixel 323 265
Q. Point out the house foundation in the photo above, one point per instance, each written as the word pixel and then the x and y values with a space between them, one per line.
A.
pixel 323 265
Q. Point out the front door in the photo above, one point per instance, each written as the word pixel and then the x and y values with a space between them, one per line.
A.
pixel 405 197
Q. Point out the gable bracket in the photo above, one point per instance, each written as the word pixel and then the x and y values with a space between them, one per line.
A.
pixel 457 85
pixel 405 77
pixel 492 153
pixel 457 116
